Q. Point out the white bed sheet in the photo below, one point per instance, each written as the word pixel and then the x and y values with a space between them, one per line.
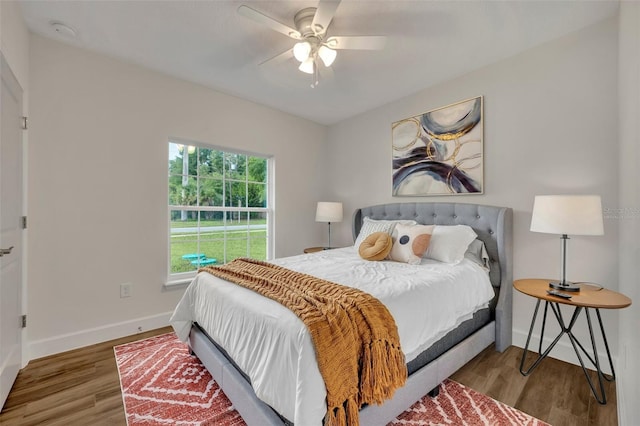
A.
pixel 273 347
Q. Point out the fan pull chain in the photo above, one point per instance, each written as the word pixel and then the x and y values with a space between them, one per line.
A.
pixel 315 76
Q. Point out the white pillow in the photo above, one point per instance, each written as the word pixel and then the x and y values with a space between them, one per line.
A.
pixel 369 226
pixel 449 243
pixel 477 252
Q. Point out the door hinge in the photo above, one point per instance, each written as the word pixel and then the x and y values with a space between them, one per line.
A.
pixel 23 321
pixel 25 123
pixel 24 222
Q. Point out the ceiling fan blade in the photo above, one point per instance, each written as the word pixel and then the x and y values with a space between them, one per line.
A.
pixel 261 18
pixel 356 42
pixel 280 57
pixel 324 14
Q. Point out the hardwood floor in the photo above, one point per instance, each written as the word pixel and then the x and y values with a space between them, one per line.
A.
pixel 82 387
pixel 79 387
pixel 556 392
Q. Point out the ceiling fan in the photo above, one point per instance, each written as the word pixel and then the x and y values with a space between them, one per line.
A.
pixel 314 45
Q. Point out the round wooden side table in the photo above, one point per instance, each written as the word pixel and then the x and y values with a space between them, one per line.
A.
pixel 590 296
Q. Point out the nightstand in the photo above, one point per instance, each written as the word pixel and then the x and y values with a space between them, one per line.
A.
pixel 316 249
pixel 589 297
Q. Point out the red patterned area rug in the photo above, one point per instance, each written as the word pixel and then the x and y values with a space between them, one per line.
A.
pixel 163 384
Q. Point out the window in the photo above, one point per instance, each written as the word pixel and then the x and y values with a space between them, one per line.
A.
pixel 219 207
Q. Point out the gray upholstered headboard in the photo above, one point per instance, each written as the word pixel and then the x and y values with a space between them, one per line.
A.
pixel 494 226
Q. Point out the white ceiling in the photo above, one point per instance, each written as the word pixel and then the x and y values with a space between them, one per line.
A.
pixel 207 42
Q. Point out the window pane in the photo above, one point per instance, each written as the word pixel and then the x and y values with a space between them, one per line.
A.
pixel 237 235
pixel 237 221
pixel 211 235
pixel 258 236
pixel 257 195
pixel 236 246
pixel 258 248
pixel 183 191
pixel 175 160
pixel 212 226
pixel 211 162
pixel 181 219
pixel 213 251
pixel 184 254
pixel 235 166
pixel 257 169
pixel 258 223
pixel 210 192
pixel 175 190
pixel 184 246
pixel 236 194
pixel 182 159
pixel 211 218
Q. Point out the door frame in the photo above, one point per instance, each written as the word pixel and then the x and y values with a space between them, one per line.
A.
pixel 8 80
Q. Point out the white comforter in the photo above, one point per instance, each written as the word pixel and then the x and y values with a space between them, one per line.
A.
pixel 272 346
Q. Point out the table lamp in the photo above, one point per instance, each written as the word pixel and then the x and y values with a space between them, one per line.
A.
pixel 329 212
pixel 564 215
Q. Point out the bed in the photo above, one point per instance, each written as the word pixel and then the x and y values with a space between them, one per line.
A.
pixel 428 366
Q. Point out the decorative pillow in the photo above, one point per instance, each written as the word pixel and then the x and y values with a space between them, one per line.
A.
pixel 411 243
pixel 376 246
pixel 449 243
pixel 369 226
pixel 406 222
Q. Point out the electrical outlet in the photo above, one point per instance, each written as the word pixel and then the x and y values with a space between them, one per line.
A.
pixel 125 290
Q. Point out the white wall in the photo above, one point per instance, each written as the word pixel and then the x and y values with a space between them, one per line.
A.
pixel 628 372
pixel 550 117
pixel 98 187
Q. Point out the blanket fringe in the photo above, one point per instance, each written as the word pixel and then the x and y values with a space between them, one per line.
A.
pixel 378 382
pixel 345 414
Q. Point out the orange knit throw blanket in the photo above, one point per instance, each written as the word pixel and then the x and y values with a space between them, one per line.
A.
pixel 355 337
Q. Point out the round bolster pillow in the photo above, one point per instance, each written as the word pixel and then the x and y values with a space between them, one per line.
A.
pixel 376 246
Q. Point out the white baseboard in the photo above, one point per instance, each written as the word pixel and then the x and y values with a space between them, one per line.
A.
pixel 65 342
pixel 563 350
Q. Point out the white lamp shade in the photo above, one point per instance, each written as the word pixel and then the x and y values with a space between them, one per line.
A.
pixel 307 66
pixel 327 55
pixel 567 214
pixel 301 51
pixel 329 212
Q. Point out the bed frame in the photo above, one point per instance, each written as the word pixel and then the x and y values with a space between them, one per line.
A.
pixel 493 226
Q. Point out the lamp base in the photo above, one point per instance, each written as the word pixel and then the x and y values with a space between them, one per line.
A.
pixel 566 286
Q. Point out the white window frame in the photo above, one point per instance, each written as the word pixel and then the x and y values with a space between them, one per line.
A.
pixel 181 278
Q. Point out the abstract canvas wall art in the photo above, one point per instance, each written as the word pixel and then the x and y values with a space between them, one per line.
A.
pixel 440 152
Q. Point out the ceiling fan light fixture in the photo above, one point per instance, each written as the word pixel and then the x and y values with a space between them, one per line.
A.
pixel 301 51
pixel 307 66
pixel 327 55
pixel 312 43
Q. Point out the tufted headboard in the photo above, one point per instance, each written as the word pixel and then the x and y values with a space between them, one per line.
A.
pixel 493 225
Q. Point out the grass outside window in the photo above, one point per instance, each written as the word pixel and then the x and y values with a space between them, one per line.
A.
pixel 212 244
